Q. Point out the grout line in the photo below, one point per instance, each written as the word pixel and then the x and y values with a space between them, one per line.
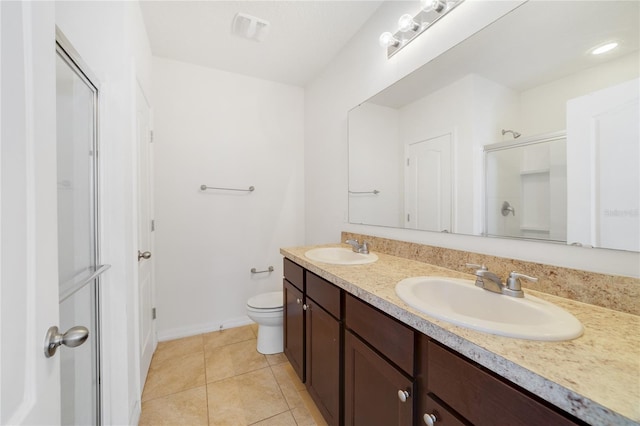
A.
pixel 206 383
pixel 280 388
pixel 270 366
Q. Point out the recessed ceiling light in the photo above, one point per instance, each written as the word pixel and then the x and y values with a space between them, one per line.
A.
pixel 604 48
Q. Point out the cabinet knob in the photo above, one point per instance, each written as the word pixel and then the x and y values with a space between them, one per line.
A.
pixel 298 301
pixel 306 307
pixel 430 419
pixel 403 395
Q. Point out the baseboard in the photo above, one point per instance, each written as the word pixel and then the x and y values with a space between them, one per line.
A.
pixel 180 332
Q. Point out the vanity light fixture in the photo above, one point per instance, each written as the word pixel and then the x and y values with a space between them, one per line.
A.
pixel 604 48
pixel 437 5
pixel 406 23
pixel 388 40
pixel 411 26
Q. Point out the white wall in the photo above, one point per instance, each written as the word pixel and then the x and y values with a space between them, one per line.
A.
pixel 360 71
pixel 225 130
pixel 544 108
pixel 110 38
pixel 373 134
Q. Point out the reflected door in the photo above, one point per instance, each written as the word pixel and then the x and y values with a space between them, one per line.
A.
pixel 78 268
pixel 428 185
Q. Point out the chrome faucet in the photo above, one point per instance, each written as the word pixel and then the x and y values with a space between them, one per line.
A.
pixel 491 282
pixel 357 247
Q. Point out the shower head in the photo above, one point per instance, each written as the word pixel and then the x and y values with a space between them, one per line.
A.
pixel 516 135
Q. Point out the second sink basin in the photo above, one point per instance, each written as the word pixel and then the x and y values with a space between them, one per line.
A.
pixel 462 303
pixel 340 256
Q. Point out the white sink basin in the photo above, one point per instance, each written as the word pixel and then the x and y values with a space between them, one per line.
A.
pixel 462 303
pixel 340 256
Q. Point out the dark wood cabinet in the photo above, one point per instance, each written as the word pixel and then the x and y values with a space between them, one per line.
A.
pixel 324 353
pixel 378 371
pixel 481 397
pixel 293 323
pixel 363 367
pixel 388 335
pixel 372 386
pixel 313 337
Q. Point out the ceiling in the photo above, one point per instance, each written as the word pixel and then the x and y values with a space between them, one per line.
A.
pixel 304 36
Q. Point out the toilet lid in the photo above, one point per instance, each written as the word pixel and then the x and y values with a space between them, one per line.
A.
pixel 266 300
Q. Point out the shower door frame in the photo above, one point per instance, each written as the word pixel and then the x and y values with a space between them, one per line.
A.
pixel 66 51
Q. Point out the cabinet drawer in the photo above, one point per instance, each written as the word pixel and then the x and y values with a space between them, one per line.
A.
pixel 324 293
pixel 481 397
pixel 294 274
pixel 392 338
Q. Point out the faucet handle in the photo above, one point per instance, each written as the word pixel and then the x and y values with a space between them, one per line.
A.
pixel 515 275
pixel 513 287
pixel 476 266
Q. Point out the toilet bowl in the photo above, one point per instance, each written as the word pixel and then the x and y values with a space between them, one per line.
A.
pixel 266 309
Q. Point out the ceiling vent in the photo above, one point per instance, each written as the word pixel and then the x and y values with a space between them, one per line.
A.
pixel 250 27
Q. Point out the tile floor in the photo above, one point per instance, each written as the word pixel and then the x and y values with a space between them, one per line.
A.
pixel 220 379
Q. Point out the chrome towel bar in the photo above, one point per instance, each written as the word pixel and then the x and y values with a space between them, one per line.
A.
pixel 255 271
pixel 205 187
pixel 375 192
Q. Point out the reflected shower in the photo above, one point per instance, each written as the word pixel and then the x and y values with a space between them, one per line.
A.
pixel 516 135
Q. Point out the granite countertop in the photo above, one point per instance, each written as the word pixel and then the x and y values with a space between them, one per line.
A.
pixel 595 377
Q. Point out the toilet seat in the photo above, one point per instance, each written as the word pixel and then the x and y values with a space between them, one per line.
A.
pixel 266 302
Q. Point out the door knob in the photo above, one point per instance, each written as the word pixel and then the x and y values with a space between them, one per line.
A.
pixel 145 255
pixel 75 336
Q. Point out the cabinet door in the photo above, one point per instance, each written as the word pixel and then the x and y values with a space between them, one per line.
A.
pixel 294 327
pixel 372 387
pixel 323 361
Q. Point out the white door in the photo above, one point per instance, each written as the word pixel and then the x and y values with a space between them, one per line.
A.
pixel 603 137
pixel 145 235
pixel 428 184
pixel 30 382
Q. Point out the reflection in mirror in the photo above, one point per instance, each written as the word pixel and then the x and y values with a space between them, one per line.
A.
pixel 528 77
pixel 526 189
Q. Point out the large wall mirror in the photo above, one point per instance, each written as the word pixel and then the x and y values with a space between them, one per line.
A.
pixel 520 131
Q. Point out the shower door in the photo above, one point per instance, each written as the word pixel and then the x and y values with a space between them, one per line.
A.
pixel 78 258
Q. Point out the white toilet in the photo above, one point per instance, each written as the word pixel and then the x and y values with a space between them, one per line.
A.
pixel 266 309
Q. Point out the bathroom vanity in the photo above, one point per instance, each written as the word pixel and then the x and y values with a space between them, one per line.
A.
pixel 369 359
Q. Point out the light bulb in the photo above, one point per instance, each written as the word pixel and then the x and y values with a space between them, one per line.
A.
pixel 406 23
pixel 438 5
pixel 426 5
pixel 387 39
